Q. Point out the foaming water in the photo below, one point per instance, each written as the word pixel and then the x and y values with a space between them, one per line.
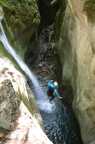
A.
pixel 41 96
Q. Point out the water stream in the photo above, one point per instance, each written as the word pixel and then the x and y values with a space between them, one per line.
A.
pixel 42 99
pixel 59 120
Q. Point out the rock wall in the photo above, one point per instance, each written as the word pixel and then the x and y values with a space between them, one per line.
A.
pixel 76 46
pixel 22 17
pixel 21 21
pixel 9 104
pixel 18 110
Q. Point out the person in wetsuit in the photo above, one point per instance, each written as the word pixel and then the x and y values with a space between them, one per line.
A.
pixel 64 127
pixel 53 90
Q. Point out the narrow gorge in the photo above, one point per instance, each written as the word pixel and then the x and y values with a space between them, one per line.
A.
pixel 47 40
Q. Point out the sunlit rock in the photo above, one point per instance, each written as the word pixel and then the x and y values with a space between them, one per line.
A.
pixel 18 110
pixel 9 104
pixel 76 46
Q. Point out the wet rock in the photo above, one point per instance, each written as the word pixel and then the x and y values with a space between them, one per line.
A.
pixel 76 48
pixel 1 14
pixel 61 125
pixel 8 71
pixel 21 20
pixel 21 17
pixel 45 67
pixel 47 12
pixel 27 130
pixel 18 110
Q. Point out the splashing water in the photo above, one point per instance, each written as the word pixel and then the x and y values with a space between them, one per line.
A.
pixel 42 100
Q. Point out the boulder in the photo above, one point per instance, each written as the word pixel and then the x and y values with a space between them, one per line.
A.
pixel 76 46
pixel 9 104
pixel 18 110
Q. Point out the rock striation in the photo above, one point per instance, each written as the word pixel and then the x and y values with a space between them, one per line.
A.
pixel 76 46
pixel 18 110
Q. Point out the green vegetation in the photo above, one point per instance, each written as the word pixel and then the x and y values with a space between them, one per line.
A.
pixel 20 22
pixel 59 18
pixel 90 4
pixel 4 3
pixel 58 23
pixel 20 14
pixel 89 7
pixel 3 52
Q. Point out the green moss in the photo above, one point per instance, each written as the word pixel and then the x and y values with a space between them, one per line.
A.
pixel 22 20
pixel 60 18
pixel 4 3
pixel 90 4
pixel 89 8
pixel 58 23
pixel 4 53
pixel 21 14
pixel 13 42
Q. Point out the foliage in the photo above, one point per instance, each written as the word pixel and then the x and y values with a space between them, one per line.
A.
pixel 90 4
pixel 4 3
pixel 21 22
pixel 4 53
pixel 20 14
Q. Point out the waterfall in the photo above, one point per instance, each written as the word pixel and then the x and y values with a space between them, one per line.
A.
pixel 42 100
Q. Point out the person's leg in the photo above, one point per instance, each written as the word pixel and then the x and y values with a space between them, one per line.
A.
pixel 51 97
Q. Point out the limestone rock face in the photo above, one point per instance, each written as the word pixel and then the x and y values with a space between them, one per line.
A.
pixel 19 83
pixel 76 47
pixel 18 110
pixel 28 130
pixel 9 104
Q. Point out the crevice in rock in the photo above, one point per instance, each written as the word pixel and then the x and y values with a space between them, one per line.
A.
pixel 43 59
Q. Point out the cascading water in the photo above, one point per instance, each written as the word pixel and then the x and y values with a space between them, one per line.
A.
pixel 42 100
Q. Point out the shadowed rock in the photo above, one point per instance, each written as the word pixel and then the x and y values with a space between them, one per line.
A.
pixel 76 47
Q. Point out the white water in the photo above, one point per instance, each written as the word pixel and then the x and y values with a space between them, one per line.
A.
pixel 42 100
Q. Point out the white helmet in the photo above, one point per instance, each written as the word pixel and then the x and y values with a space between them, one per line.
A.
pixel 56 84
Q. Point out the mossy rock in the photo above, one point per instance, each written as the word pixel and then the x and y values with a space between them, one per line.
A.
pixel 21 21
pixel 89 8
pixel 20 15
